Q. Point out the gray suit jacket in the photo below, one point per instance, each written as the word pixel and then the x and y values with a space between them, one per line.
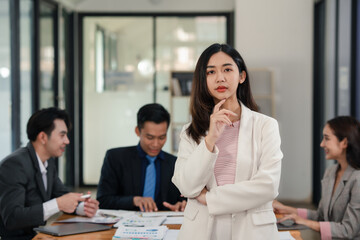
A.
pixel 342 209
pixel 22 193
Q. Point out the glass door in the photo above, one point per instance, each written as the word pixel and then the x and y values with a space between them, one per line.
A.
pixel 47 45
pixel 117 81
pixel 5 80
pixel 179 43
pixel 26 66
pixel 127 62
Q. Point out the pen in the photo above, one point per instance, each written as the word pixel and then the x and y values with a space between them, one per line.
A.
pixel 86 196
pixel 108 215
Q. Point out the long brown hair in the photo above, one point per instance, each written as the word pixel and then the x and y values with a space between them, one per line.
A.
pixel 201 102
pixel 349 128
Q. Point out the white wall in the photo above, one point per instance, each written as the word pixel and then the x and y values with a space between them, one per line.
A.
pixel 278 34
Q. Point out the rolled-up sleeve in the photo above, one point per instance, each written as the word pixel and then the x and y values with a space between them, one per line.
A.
pixel 302 212
pixel 325 231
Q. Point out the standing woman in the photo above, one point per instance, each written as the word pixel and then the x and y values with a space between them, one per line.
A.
pixel 338 213
pixel 229 158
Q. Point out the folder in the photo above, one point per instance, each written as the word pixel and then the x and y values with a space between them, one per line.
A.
pixel 71 228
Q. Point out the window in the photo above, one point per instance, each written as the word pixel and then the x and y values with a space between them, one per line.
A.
pixel 127 62
pixel 5 80
pixel 26 22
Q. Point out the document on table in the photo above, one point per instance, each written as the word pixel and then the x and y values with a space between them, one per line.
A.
pixel 114 213
pixel 140 232
pixel 163 213
pixel 103 216
pixel 101 220
pixel 174 220
pixel 138 221
pixel 286 236
pixel 171 234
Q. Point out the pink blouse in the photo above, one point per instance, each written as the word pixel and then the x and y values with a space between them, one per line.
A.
pixel 225 165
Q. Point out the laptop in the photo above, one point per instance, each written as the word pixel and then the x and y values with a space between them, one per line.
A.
pixel 289 225
pixel 72 228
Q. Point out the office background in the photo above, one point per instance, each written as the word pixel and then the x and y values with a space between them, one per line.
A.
pixel 102 60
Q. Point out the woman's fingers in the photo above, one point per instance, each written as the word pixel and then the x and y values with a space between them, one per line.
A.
pixel 218 105
pixel 222 115
pixel 221 118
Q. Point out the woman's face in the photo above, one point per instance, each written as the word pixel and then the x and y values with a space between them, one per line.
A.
pixel 223 77
pixel 334 149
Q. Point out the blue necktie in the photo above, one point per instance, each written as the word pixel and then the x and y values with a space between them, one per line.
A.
pixel 150 178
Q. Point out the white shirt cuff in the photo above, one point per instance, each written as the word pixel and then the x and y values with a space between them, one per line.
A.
pixel 50 208
pixel 80 209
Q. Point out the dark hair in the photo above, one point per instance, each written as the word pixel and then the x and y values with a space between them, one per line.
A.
pixel 43 121
pixel 152 112
pixel 201 102
pixel 348 127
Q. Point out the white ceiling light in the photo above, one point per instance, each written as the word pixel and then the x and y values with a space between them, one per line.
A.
pixel 4 72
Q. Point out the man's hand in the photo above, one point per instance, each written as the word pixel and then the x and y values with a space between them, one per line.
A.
pixel 202 196
pixel 90 207
pixel 68 202
pixel 177 207
pixel 146 204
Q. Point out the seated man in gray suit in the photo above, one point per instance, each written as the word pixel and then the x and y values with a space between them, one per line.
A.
pixel 139 177
pixel 30 189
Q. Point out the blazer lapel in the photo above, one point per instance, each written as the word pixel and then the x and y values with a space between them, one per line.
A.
pixel 244 155
pixel 38 176
pixel 340 188
pixel 136 169
pixel 50 177
pixel 327 186
pixel 212 181
pixel 164 175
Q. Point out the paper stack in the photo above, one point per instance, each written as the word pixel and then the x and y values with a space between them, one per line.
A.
pixel 153 233
pixel 114 213
pixel 138 221
pixel 99 220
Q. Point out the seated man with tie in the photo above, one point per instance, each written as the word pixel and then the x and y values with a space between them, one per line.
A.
pixel 30 189
pixel 139 177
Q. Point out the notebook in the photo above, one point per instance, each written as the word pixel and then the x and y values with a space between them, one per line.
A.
pixel 71 228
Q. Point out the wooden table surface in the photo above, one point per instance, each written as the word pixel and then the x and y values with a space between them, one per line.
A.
pixel 108 234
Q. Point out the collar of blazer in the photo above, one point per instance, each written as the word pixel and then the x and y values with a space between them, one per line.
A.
pixel 38 175
pixel 330 181
pixel 244 159
pixel 244 162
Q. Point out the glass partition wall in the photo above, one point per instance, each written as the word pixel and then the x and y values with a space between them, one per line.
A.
pixel 5 80
pixel 26 21
pixel 48 74
pixel 15 99
pixel 128 61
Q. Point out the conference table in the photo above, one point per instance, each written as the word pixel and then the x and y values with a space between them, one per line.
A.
pixel 108 234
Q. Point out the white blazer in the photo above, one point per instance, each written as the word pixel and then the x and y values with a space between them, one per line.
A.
pixel 249 199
